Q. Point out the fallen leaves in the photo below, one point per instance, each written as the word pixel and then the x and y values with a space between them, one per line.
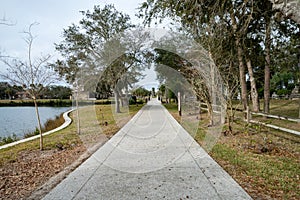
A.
pixel 33 168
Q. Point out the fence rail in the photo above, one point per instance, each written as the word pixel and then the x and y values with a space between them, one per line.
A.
pixel 276 127
pixel 276 117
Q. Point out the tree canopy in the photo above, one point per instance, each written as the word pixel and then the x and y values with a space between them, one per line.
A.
pixel 243 37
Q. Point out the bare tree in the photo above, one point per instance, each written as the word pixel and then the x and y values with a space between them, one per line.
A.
pixel 32 74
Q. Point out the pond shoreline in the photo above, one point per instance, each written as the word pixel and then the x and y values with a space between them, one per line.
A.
pixel 19 121
pixel 67 122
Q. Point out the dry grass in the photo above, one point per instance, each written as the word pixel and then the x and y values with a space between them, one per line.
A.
pixel 23 168
pixel 278 122
pixel 286 108
pixel 263 161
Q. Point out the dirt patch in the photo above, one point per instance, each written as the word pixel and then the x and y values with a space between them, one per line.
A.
pixel 57 178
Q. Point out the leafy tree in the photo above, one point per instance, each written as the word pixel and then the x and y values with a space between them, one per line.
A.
pixel 167 92
pixel 57 92
pixel 97 55
pixel 9 92
pixel 83 43
pixel 213 24
pixel 141 92
pixel 285 54
pixel 210 24
pixel 3 87
pixel 234 32
pixel 153 91
pixel 288 8
pixel 103 90
pixel 161 90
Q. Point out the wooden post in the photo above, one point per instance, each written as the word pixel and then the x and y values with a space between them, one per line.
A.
pixel 248 115
pixel 179 104
pixel 77 113
pixel 200 111
pixel 299 109
pixel 77 108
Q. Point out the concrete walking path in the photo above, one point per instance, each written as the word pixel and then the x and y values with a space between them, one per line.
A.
pixel 151 157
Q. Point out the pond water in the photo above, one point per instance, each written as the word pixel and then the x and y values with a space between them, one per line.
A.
pixel 22 120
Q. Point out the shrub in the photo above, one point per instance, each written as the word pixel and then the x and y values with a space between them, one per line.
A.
pixel 8 139
pixel 36 132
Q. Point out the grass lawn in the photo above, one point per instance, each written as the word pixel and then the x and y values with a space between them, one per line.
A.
pixel 286 108
pixel 278 122
pixel 265 162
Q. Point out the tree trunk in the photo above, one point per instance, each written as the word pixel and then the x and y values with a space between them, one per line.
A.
pixel 126 97
pixel 39 122
pixel 267 65
pixel 242 74
pixel 299 108
pixel 229 120
pixel 77 112
pixel 254 93
pixel 117 103
pixel 240 60
pixel 210 113
pixel 122 101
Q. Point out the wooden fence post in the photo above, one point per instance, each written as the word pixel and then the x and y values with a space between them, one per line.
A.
pixel 248 115
pixel 179 104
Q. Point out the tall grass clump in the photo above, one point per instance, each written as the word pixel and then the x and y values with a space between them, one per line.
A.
pixel 49 125
pixel 8 139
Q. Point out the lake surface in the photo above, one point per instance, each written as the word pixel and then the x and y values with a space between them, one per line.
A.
pixel 21 120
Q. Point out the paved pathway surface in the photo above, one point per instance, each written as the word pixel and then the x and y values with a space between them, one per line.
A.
pixel 151 157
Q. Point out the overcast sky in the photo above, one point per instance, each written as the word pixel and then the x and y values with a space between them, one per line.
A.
pixel 53 16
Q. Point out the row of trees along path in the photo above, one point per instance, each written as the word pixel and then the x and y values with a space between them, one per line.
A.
pixel 245 39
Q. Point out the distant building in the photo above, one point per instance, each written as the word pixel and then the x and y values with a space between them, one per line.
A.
pixel 22 95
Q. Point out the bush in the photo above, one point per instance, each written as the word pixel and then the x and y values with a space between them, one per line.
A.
pixel 132 101
pixel 49 125
pixel 140 101
pixel 8 139
pixel 282 92
pixel 103 102
pixel 36 132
